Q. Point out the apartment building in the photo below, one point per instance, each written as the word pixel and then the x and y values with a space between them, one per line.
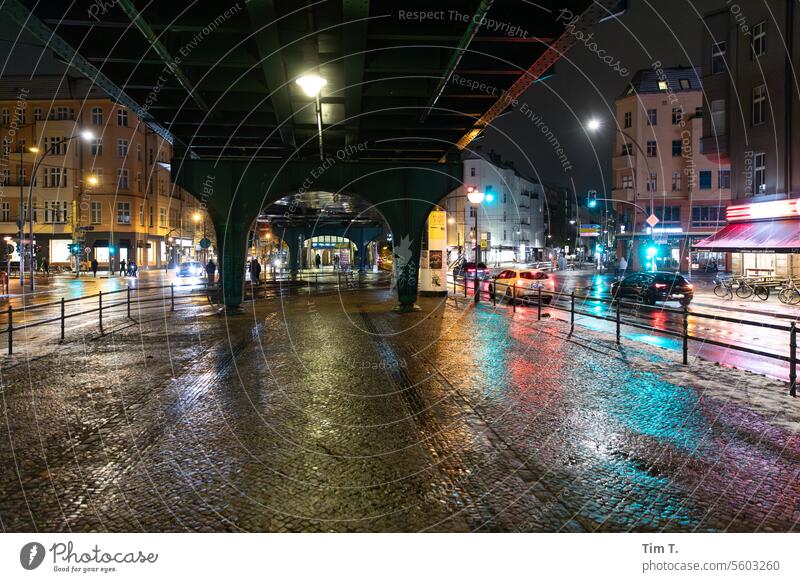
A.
pixel 659 168
pixel 510 220
pixel 752 115
pixel 112 193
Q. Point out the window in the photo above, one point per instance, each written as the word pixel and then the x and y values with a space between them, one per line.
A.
pixel 628 120
pixel 627 149
pixel 5 116
pixel 708 216
pixel 55 145
pixel 759 35
pixel 724 179
pixel 162 217
pixel 96 148
pixel 5 176
pixel 698 112
pixel 21 116
pixel 662 85
pixel 37 114
pixel 122 117
pixel 138 181
pixel 5 212
pixel 652 117
pixel 97 213
pixel 505 235
pixel 139 153
pixel 61 113
pixel 122 147
pixel 718 57
pixel 676 181
pixel 150 215
pixel 21 175
pixel 97 116
pixel 652 149
pixel 705 179
pixel 677 115
pixel 55 177
pixel 123 212
pixel 759 104
pixel 718 117
pixel 667 213
pixel 685 84
pixel 652 182
pixel 55 211
pixel 141 214
pixel 98 172
pixel 6 147
pixel 472 171
pixel 676 148
pixel 173 217
pixel 122 179
pixel 760 173
pixel 472 211
pixel 627 180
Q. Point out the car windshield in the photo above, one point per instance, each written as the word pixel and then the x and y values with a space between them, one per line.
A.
pixel 669 279
pixel 532 275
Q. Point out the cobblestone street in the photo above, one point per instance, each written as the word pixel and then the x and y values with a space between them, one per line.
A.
pixel 333 413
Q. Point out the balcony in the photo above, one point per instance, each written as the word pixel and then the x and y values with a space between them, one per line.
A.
pixel 715 147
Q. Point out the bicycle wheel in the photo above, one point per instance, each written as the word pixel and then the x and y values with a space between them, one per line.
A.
pixel 744 291
pixel 721 290
pixel 794 297
pixel 784 295
pixel 761 292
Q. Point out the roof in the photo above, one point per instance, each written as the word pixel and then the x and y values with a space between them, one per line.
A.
pixel 49 87
pixel 678 79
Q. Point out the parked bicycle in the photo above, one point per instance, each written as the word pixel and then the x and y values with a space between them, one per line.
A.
pixel 748 288
pixel 789 293
pixel 723 288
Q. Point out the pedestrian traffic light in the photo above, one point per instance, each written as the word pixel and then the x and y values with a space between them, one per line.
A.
pixel 489 198
pixel 651 251
pixel 592 199
pixel 112 250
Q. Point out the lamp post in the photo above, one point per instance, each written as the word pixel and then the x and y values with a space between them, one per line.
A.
pixel 86 135
pixel 476 198
pixel 312 85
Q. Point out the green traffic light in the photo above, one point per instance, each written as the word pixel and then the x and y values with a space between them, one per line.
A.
pixel 592 203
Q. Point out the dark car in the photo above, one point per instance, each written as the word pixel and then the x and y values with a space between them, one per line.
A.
pixel 652 287
pixel 470 270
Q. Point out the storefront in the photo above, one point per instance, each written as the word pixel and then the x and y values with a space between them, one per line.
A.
pixel 763 239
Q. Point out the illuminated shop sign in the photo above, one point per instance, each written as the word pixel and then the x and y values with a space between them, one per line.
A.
pixel 763 210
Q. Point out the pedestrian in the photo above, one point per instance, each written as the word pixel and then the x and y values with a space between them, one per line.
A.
pixel 335 262
pixel 95 265
pixel 211 269
pixel 318 260
pixel 623 266
pixel 46 267
pixel 123 269
pixel 132 268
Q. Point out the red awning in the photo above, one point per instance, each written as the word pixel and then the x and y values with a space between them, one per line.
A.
pixel 771 236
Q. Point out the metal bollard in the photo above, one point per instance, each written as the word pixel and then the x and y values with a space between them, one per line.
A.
pixel 539 307
pixel 685 334
pixel 63 309
pixel 172 296
pixel 477 289
pixel 792 360
pixel 10 331
pixel 514 298
pixel 572 313
pixel 618 322
pixel 100 303
pixel 465 285
pixel 494 293
pixel 129 302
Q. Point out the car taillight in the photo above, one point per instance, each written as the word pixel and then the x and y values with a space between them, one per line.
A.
pixel 660 285
pixel 689 286
pixel 470 270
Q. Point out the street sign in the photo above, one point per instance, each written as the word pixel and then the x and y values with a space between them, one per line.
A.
pixel 589 230
pixel 87 250
pixel 652 220
pixel 484 244
pixel 205 243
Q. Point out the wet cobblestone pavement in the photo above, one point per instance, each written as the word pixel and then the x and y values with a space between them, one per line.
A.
pixel 333 413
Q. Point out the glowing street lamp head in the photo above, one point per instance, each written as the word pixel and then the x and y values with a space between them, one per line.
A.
pixel 92 180
pixel 197 217
pixel 474 195
pixel 593 124
pixel 87 134
pixel 33 150
pixel 311 84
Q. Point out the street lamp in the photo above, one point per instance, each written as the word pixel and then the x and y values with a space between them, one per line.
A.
pixel 86 135
pixel 312 85
pixel 476 197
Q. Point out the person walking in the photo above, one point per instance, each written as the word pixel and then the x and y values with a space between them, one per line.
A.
pixel 123 268
pixel 46 267
pixel 623 266
pixel 95 265
pixel 211 269
pixel 318 260
pixel 132 268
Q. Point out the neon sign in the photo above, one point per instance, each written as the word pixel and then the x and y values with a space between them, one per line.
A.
pixel 763 210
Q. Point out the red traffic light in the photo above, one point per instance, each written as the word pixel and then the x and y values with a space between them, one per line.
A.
pixel 470 189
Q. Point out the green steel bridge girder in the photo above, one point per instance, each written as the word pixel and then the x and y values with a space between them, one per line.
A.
pixel 234 192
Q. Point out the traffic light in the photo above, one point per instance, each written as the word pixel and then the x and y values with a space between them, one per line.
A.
pixel 651 251
pixel 112 249
pixel 489 198
pixel 592 199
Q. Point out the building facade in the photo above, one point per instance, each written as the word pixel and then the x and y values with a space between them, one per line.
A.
pixel 112 193
pixel 752 110
pixel 510 220
pixel 659 169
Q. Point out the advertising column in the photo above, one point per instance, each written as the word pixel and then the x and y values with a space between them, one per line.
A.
pixel 433 267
